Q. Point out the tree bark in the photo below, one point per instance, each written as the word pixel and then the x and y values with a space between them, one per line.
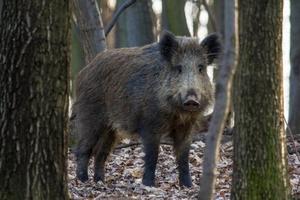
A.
pixel 173 17
pixel 294 103
pixel 90 26
pixel 260 162
pixel 135 26
pixel 222 105
pixel 34 89
pixel 1 5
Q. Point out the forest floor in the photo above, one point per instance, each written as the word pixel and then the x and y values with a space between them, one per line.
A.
pixel 124 175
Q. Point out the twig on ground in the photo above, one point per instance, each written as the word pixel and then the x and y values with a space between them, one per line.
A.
pixel 292 136
pixel 292 150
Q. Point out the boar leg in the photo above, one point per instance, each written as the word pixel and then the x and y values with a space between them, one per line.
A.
pixel 89 133
pixel 103 149
pixel 151 148
pixel 182 142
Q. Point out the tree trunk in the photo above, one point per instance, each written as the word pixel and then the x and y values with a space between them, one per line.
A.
pixel 219 13
pixel 77 56
pixel 121 28
pixel 211 25
pixel 135 25
pixel 294 110
pixel 218 10
pixel 195 13
pixel 260 163
pixel 173 17
pixel 223 101
pixel 90 26
pixel 34 89
pixel 1 5
pixel 107 13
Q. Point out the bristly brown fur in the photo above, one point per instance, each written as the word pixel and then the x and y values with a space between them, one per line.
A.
pixel 139 90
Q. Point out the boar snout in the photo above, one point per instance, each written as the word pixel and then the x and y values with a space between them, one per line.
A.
pixel 191 101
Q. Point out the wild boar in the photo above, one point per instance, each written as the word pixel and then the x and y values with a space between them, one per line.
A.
pixel 157 89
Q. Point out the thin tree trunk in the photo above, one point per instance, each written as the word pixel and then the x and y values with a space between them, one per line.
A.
pixel 107 13
pixel 260 162
pixel 34 89
pixel 294 110
pixel 211 26
pixel 196 10
pixel 90 26
pixel 139 21
pixel 173 17
pixel 218 10
pixel 135 26
pixel 221 25
pixel 219 13
pixel 1 5
pixel 121 29
pixel 77 56
pixel 223 99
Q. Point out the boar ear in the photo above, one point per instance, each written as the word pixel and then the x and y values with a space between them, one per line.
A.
pixel 167 45
pixel 213 47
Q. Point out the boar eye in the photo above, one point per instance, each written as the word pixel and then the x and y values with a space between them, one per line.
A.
pixel 201 68
pixel 178 68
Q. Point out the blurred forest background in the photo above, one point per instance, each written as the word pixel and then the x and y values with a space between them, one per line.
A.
pixel 143 22
pixel 35 94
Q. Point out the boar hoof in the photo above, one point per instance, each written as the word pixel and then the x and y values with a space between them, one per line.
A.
pixel 148 182
pixel 188 184
pixel 98 177
pixel 82 176
pixel 186 181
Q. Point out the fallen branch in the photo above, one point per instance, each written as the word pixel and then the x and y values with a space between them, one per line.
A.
pixel 117 14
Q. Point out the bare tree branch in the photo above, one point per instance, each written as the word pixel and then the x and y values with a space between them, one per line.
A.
pixel 223 98
pixel 211 16
pixel 123 7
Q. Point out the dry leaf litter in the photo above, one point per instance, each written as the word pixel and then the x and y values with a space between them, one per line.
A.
pixel 124 170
